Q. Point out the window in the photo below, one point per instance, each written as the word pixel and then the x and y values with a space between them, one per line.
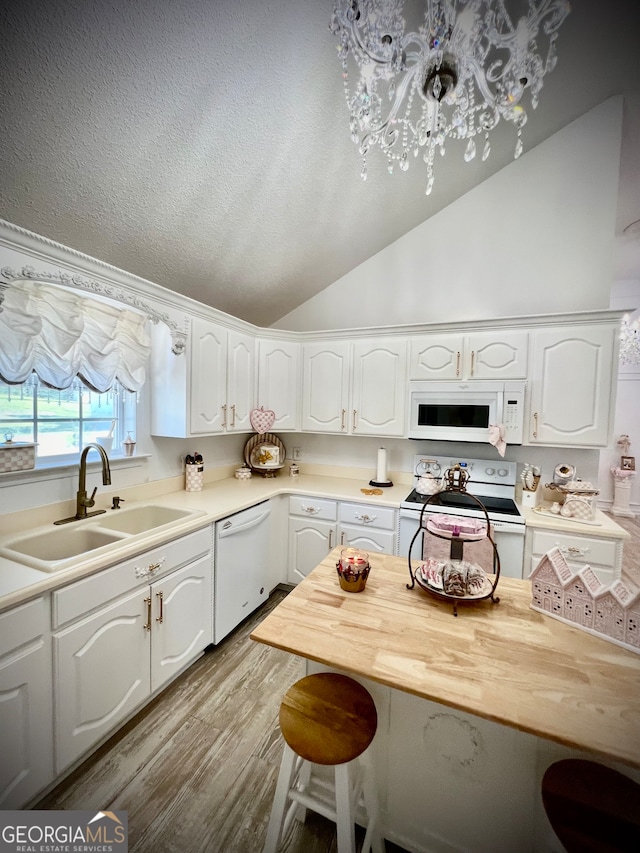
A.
pixel 61 423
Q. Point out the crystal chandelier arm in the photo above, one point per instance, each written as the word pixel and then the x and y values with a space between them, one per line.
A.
pixel 465 68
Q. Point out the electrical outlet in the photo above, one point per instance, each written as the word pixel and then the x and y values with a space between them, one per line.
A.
pixel 296 454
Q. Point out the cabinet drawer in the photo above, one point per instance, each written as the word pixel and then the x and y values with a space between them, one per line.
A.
pixel 313 508
pixel 577 549
pixel 94 591
pixel 22 624
pixel 368 515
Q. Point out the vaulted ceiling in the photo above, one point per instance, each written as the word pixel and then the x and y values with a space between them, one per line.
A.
pixel 204 144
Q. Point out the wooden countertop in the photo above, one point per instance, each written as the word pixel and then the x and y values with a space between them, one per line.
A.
pixel 502 661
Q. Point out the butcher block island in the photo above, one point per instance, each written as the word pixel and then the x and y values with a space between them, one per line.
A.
pixel 472 709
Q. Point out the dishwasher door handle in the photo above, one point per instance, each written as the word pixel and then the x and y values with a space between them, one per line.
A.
pixel 228 528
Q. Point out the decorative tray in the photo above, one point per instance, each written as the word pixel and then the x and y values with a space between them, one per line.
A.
pixel 429 576
pixel 541 510
pixel 265 453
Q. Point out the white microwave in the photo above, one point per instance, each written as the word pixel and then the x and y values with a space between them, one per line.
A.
pixel 463 411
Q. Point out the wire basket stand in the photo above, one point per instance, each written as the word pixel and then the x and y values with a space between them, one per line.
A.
pixel 456 479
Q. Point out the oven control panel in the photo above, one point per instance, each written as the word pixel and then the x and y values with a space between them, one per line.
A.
pixel 480 470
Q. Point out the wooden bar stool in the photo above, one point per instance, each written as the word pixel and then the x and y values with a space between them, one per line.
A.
pixel 592 808
pixel 326 719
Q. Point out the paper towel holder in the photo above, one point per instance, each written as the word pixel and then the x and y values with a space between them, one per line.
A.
pixel 381 480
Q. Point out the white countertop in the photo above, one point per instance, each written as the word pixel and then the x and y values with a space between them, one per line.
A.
pixel 602 525
pixel 218 499
pixel 19 583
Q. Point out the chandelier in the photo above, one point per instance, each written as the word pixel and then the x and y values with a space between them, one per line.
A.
pixel 465 68
pixel 629 341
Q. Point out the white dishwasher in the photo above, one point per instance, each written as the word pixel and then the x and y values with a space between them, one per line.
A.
pixel 241 567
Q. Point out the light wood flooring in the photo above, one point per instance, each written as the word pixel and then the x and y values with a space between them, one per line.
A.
pixel 196 769
pixel 631 549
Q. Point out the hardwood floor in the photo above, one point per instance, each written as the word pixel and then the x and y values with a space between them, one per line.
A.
pixel 196 769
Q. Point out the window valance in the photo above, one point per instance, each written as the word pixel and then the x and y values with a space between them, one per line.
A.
pixel 59 334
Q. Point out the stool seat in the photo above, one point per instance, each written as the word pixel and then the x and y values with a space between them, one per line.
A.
pixel 328 718
pixel 592 808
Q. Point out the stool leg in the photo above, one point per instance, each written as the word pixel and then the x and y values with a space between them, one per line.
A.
pixel 372 839
pixel 345 808
pixel 278 810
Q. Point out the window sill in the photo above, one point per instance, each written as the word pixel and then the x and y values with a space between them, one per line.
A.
pixel 54 470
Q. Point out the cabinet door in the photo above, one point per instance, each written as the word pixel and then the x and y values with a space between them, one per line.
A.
pixel 279 382
pixel 379 398
pixel 208 377
pixel 436 357
pixel 309 542
pixel 325 387
pixel 240 381
pixel 497 355
pixel 368 539
pixel 181 623
pixel 26 730
pixel 102 674
pixel 573 386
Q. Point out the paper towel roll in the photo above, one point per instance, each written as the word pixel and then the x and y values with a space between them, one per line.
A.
pixel 381 472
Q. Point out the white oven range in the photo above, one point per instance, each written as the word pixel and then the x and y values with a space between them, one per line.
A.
pixel 493 482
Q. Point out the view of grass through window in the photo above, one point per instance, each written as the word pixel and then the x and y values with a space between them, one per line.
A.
pixel 62 422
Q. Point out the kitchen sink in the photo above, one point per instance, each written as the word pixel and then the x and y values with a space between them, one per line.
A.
pixel 140 519
pixel 53 548
pixel 47 549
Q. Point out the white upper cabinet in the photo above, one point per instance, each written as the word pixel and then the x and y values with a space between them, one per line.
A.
pixel 240 382
pixel 379 387
pixel 208 390
pixel 499 354
pixel 573 383
pixel 357 389
pixel 325 386
pixel 279 382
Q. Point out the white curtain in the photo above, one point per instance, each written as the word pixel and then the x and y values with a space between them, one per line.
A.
pixel 60 334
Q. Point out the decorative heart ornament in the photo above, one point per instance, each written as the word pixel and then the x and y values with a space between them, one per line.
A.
pixel 262 419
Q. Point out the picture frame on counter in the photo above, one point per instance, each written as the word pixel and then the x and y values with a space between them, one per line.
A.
pixel 628 463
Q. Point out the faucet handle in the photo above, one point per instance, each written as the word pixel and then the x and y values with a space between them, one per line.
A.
pixel 91 500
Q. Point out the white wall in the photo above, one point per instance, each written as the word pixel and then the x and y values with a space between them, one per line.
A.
pixel 535 238
pixel 624 294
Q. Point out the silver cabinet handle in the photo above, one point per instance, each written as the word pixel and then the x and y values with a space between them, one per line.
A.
pixel 233 416
pixel 330 539
pixel 355 417
pixel 310 510
pixel 573 551
pixel 458 364
pixel 473 357
pixel 224 416
pixel 342 424
pixel 366 519
pixel 535 429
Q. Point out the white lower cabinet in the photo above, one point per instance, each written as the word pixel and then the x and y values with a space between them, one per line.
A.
pixel 317 525
pixel 604 555
pixel 26 730
pixel 128 634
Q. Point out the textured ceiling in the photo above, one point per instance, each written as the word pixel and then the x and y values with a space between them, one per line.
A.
pixel 204 144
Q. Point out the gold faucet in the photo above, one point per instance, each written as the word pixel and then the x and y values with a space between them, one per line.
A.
pixel 82 501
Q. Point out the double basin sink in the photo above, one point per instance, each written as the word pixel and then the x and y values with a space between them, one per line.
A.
pixel 52 548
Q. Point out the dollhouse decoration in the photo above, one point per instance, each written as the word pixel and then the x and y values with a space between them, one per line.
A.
pixel 623 474
pixel 579 598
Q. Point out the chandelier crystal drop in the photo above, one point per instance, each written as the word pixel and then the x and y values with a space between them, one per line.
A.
pixel 466 67
pixel 629 341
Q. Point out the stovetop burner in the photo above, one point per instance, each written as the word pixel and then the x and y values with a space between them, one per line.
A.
pixel 451 500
